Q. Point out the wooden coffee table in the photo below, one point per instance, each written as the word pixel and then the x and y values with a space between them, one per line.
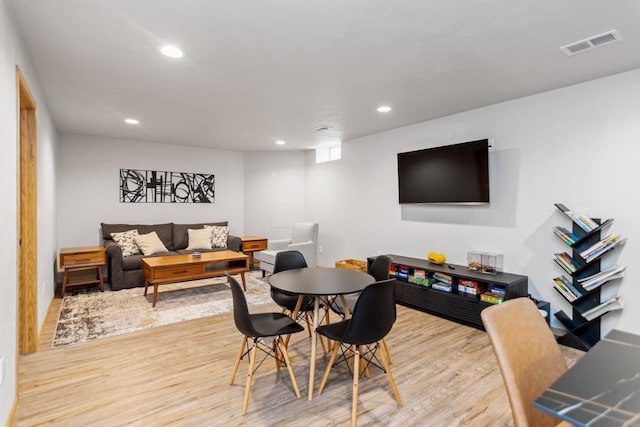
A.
pixel 182 268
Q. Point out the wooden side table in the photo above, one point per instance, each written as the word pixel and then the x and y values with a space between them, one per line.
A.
pixel 76 261
pixel 251 244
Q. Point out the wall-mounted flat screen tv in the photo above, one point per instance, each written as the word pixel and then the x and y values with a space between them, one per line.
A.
pixel 452 174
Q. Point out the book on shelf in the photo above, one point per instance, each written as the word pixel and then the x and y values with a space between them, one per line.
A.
pixel 568 263
pixel 591 282
pixel 492 297
pixel 564 292
pixel 602 246
pixel 441 286
pixel 472 290
pixel 566 288
pixel 612 304
pixel 568 237
pixel 444 278
pixel 583 221
pixel 468 283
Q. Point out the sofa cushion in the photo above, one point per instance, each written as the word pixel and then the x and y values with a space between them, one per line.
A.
pixel 149 243
pixel 164 231
pixel 181 236
pixel 266 256
pixel 219 235
pixel 126 241
pixel 199 239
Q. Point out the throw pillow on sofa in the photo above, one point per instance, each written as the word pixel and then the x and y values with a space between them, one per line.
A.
pixel 219 235
pixel 150 243
pixel 126 242
pixel 199 239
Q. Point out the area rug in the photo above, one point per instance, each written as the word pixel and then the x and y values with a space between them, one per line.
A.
pixel 88 314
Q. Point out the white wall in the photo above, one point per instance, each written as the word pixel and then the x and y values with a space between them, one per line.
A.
pixel 88 185
pixel 274 193
pixel 576 146
pixel 12 54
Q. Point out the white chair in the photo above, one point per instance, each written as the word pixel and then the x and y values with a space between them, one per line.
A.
pixel 304 238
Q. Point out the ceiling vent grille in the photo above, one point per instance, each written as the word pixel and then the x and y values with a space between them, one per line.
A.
pixel 591 42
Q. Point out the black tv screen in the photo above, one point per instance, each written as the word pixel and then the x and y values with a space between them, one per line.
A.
pixel 456 173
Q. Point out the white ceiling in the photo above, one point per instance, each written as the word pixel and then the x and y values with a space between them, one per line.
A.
pixel 256 71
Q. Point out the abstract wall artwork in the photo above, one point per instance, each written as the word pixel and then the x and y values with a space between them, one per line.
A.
pixel 142 186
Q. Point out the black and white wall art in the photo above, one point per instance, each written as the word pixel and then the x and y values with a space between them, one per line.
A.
pixel 143 186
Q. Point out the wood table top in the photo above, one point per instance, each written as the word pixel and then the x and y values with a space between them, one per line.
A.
pixel 321 281
pixel 205 257
pixel 81 249
pixel 252 238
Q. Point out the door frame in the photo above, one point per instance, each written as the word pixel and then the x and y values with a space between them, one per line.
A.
pixel 27 244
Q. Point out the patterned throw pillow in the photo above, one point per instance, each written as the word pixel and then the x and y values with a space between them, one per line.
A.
pixel 150 243
pixel 199 239
pixel 219 235
pixel 126 242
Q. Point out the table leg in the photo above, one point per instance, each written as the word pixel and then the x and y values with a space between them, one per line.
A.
pixel 100 276
pixel 314 344
pixel 244 282
pixel 146 286
pixel 65 280
pixel 155 294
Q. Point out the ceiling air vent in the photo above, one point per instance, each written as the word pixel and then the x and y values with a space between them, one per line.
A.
pixel 591 42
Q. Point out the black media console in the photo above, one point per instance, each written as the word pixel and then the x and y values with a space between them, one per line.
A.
pixel 456 306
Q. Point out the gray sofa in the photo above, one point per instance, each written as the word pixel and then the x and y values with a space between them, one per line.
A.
pixel 126 272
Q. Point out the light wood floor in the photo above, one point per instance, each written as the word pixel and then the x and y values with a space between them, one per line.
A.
pixel 178 375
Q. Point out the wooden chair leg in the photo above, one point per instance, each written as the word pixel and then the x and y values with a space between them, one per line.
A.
pixel 293 315
pixel 235 366
pixel 306 318
pixel 285 353
pixel 276 356
pixel 351 356
pixel 386 350
pixel 391 380
pixel 324 347
pixel 356 377
pixel 327 320
pixel 247 389
pixel 334 353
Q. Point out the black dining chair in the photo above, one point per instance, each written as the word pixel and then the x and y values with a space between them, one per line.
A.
pixel 255 327
pixel 373 317
pixel 289 260
pixel 379 269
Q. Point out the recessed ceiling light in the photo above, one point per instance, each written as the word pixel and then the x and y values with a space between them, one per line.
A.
pixel 322 128
pixel 132 121
pixel 384 109
pixel 171 51
pixel 280 142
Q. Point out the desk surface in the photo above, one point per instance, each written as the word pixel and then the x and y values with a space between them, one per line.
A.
pixel 602 388
pixel 321 281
